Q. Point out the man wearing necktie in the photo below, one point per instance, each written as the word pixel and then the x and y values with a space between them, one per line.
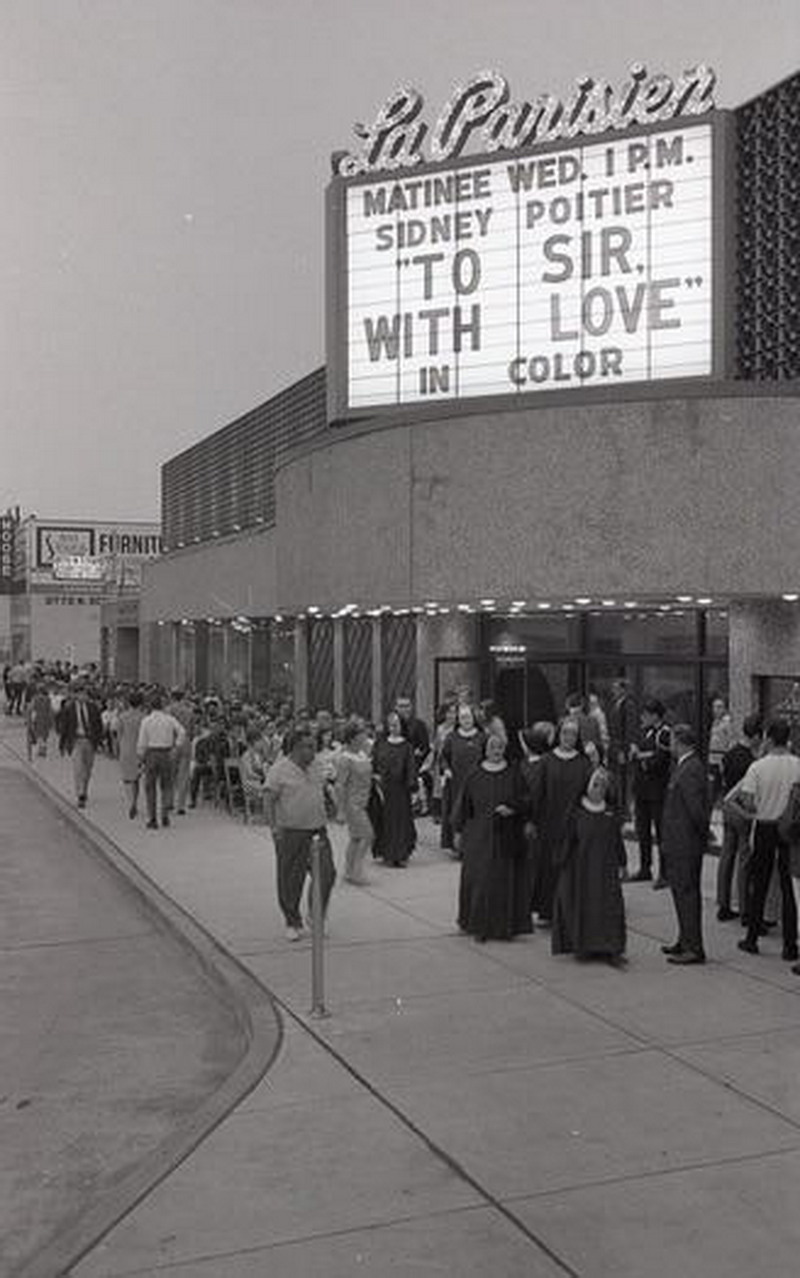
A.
pixel 81 731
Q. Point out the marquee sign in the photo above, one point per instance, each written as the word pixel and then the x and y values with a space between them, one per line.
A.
pixel 575 266
pixel 479 113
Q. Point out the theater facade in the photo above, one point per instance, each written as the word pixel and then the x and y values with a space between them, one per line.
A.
pixel 557 436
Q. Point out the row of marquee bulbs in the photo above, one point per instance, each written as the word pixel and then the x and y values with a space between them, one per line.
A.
pixel 515 606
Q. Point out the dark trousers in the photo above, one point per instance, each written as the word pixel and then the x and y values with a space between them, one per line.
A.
pixel 446 830
pixel 293 865
pixel 619 796
pixel 766 844
pixel 683 873
pixel 733 860
pixel 647 811
pixel 158 776
pixel 204 774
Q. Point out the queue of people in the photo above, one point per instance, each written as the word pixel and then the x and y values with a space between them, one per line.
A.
pixel 536 820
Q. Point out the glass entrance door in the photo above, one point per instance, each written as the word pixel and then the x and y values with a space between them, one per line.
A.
pixel 528 691
pixel 674 684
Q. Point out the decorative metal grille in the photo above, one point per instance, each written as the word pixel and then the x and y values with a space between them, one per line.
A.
pixel 320 664
pixel 226 482
pixel 358 666
pixel 768 247
pixel 399 656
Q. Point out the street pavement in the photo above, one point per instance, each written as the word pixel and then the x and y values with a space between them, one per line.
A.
pixel 469 1109
pixel 113 1036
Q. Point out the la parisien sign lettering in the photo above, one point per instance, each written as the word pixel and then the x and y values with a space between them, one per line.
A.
pixel 480 112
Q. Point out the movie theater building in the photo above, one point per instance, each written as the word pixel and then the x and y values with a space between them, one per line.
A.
pixel 557 438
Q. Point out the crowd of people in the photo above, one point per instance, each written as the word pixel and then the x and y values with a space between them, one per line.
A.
pixel 536 818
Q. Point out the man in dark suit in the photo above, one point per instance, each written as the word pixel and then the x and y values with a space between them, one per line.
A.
pixel 651 760
pixel 416 732
pixel 80 731
pixel 621 732
pixel 684 831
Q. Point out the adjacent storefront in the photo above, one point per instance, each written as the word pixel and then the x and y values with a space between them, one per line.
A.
pixel 76 589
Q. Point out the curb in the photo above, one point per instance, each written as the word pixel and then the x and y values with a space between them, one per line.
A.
pixel 255 1008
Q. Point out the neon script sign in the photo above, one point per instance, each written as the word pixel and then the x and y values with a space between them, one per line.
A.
pixel 481 112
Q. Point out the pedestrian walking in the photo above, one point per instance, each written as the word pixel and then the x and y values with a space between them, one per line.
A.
pixel 80 735
pixel 352 789
pixel 181 708
pixel 589 911
pixel 130 766
pixel 556 785
pixel 160 734
pixel 253 770
pixel 394 768
pixel 39 715
pixel 295 809
pixel 462 751
pixel 494 899
pixel 416 731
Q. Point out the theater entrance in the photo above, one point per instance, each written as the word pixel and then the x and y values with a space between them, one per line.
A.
pixel 534 663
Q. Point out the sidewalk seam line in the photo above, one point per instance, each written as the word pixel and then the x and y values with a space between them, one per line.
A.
pixel 438 1152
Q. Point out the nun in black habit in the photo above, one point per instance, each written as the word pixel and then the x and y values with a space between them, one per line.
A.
pixel 589 913
pixel 494 892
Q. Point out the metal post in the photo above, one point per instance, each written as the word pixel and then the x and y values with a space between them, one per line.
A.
pixel 318 1008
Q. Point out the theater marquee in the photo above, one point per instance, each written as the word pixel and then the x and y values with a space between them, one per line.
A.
pixel 570 267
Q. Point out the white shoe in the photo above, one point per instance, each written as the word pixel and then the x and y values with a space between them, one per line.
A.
pixel 294 934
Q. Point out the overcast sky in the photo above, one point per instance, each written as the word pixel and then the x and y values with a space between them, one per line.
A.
pixel 164 165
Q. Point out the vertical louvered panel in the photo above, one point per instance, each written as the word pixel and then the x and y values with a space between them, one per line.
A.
pixel 320 664
pixel 399 658
pixel 358 666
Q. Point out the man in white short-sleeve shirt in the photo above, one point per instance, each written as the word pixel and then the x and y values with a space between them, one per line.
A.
pixel 763 793
pixel 294 798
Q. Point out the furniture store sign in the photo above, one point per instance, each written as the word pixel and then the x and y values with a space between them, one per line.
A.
pixel 580 264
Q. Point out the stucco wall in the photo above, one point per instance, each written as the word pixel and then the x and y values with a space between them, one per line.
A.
pixel 215 579
pixel 691 495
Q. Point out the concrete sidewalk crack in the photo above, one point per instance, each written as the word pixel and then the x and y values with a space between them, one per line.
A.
pixel 437 1150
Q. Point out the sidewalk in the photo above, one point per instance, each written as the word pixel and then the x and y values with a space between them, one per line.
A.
pixel 472 1109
